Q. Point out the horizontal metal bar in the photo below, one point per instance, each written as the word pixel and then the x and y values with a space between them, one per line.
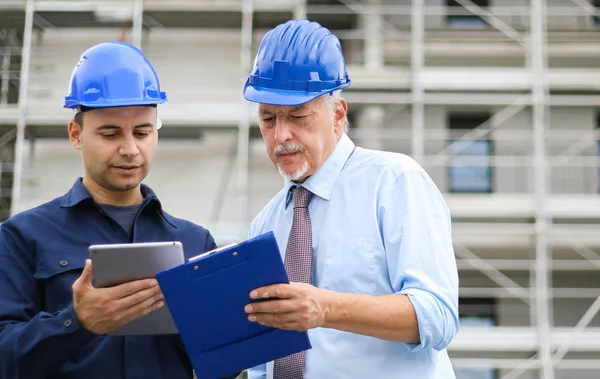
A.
pixel 504 293
pixel 225 5
pixel 454 98
pixel 530 364
pixel 516 161
pixel 521 340
pixel 564 136
pixel 528 264
pixel 79 6
pixel 387 9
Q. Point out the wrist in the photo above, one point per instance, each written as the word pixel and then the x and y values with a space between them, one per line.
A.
pixel 72 322
pixel 77 314
pixel 330 306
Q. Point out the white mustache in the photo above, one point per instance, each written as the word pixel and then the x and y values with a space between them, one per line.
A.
pixel 290 148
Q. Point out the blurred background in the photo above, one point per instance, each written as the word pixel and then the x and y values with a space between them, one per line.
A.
pixel 497 99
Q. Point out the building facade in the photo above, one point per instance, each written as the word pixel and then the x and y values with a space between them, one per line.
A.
pixel 497 99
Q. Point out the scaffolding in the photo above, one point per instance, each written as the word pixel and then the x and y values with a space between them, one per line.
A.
pixel 541 347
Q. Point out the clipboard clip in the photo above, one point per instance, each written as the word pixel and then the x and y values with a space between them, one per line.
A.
pixel 212 251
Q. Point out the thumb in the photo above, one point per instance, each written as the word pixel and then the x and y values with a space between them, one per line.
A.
pixel 87 275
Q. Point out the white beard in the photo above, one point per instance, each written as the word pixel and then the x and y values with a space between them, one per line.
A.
pixel 299 173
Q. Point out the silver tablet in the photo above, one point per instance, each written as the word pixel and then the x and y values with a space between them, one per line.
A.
pixel 114 264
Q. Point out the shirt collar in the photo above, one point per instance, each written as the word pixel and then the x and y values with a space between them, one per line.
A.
pixel 78 194
pixel 321 182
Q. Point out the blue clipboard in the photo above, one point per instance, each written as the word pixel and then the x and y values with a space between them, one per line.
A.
pixel 207 296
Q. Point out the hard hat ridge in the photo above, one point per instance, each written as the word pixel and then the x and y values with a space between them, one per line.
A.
pixel 113 74
pixel 296 62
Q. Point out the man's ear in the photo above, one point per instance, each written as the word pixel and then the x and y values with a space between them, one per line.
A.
pixel 341 112
pixel 74 130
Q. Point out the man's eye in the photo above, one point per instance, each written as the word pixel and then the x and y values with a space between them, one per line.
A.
pixel 298 117
pixel 143 135
pixel 108 136
pixel 267 119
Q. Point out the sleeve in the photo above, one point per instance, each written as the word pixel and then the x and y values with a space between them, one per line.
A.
pixel 258 372
pixel 253 232
pixel 33 343
pixel 416 227
pixel 210 242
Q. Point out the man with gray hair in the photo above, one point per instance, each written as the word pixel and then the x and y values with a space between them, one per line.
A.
pixel 367 243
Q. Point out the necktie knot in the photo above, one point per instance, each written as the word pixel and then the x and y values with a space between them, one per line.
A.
pixel 302 197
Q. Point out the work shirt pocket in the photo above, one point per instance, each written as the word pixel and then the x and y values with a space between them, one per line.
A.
pixel 350 266
pixel 56 272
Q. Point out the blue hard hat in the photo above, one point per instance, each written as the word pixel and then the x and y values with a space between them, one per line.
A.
pixel 296 62
pixel 113 74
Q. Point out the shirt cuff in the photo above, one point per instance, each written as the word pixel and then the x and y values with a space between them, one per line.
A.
pixel 71 326
pixel 425 322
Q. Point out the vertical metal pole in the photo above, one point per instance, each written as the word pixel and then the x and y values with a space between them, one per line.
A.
pixel 22 115
pixel 372 25
pixel 5 77
pixel 138 23
pixel 372 116
pixel 300 10
pixel 244 125
pixel 538 67
pixel 417 62
pixel 532 279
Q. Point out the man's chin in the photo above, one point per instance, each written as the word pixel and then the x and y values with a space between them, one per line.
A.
pixel 125 185
pixel 293 175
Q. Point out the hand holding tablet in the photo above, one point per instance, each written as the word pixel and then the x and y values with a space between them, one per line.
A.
pixel 124 298
pixel 104 310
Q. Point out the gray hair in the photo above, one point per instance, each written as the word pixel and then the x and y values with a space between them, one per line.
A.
pixel 333 101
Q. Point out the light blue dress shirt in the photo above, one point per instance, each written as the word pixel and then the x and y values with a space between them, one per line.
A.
pixel 380 226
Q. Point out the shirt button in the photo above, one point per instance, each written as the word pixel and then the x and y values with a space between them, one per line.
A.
pixel 63 263
pixel 68 322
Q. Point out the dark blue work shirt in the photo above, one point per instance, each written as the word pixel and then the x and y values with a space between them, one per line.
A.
pixel 42 253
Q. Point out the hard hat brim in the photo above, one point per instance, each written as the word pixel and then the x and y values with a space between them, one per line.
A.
pixel 280 97
pixel 70 103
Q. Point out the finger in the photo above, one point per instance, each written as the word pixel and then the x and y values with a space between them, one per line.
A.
pixel 141 309
pixel 273 306
pixel 127 289
pixel 291 326
pixel 286 326
pixel 138 297
pixel 86 276
pixel 281 291
pixel 275 320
